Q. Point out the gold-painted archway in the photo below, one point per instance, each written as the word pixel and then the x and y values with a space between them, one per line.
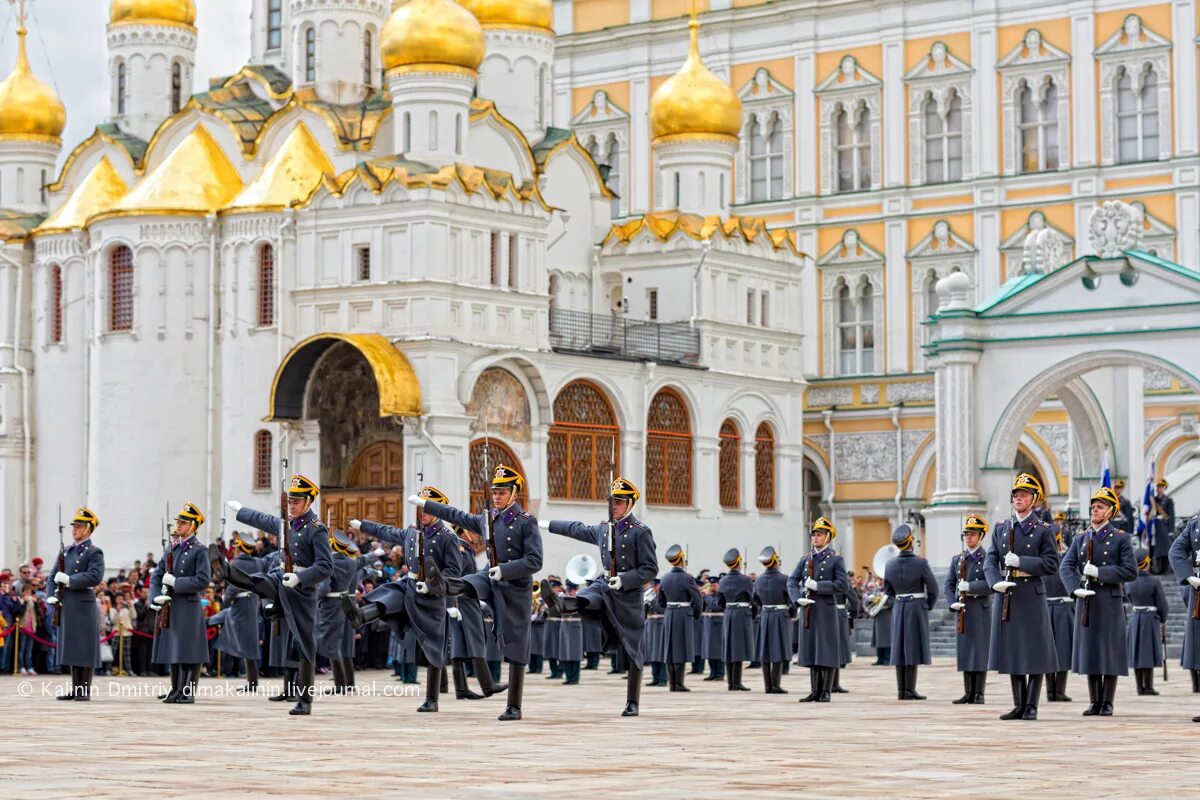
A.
pixel 399 389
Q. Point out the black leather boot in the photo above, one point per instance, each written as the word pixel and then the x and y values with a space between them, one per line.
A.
pixel 1061 680
pixel 1094 690
pixel 738 667
pixel 516 686
pixel 980 686
pixel 1108 689
pixel 176 684
pixel 84 692
pixel 189 678
pixel 483 673
pixel 837 683
pixel 1148 683
pixel 462 691
pixel 433 678
pixel 1195 680
pixel 1033 693
pixel 289 687
pixel 251 675
pixel 359 615
pixel 814 685
pixel 826 685
pixel 1018 693
pixel 768 679
pixel 680 671
pixel 777 677
pixel 70 695
pixel 968 690
pixel 348 673
pixel 1052 687
pixel 339 682
pixel 1139 681
pixel 304 689
pixel 902 684
pixel 633 692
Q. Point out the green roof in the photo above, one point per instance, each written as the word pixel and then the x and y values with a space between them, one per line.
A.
pixel 135 147
pixel 553 138
pixel 17 224
pixel 1011 288
pixel 1170 266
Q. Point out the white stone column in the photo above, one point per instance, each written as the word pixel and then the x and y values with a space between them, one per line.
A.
pixel 1129 432
pixel 639 146
pixel 986 106
pixel 895 121
pixel 1083 84
pixel 1184 80
pixel 806 126
pixel 896 293
pixel 705 479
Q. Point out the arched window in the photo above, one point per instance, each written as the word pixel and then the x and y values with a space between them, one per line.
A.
pixel 542 91
pixel 813 498
pixel 612 157
pixel 266 285
pixel 458 134
pixel 498 453
pixel 120 289
pixel 764 468
pixel 433 130
pixel 943 139
pixel 262 460
pixel 856 329
pixel 1038 125
pixel 775 156
pixel 1137 115
pixel 766 158
pixel 274 24
pixel 121 88
pixel 176 87
pixel 729 461
pixel 310 54
pixel 668 450
pixel 582 443
pixel 42 188
pixel 677 193
pixel 758 160
pixel 852 131
pixel 368 73
pixel 55 296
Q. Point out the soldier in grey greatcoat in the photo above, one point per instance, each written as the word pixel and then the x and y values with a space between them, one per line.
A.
pixel 570 640
pixel 239 633
pixel 970 597
pixel 1022 553
pixel 553 627
pixel 77 571
pixel 178 581
pixel 335 633
pixel 468 641
pixel 508 585
pixel 848 606
pixel 1185 564
pixel 537 632
pixel 1149 603
pixel 909 581
pixel 1162 520
pixel 593 636
pixel 616 598
pixel 294 593
pixel 734 594
pixel 281 654
pixel 1062 622
pixel 680 600
pixel 652 642
pixel 879 607
pixel 714 625
pixel 1095 569
pixel 814 585
pixel 775 610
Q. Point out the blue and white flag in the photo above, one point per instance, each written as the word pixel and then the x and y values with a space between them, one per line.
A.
pixel 1105 472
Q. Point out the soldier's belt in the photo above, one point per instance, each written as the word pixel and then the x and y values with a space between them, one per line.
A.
pixel 775 608
pixel 842 607
pixel 1145 608
pixel 571 619
pixel 737 605
pixel 654 616
pixel 1062 601
pixel 678 605
pixel 334 594
pixel 911 596
pixel 1016 573
pixel 713 614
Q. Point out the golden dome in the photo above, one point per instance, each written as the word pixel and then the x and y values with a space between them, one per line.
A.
pixel 29 109
pixel 512 13
pixel 432 34
pixel 182 12
pixel 693 102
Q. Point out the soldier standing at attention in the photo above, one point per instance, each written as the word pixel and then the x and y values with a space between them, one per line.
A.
pixel 1149 613
pixel 1163 521
pixel 553 628
pixel 737 641
pixel 508 586
pixel 880 608
pixel 570 639
pixel 814 585
pixel 909 581
pixel 1185 563
pixel 294 594
pixel 185 645
pixel 1021 555
pixel 1126 517
pixel 615 599
pixel 971 644
pixel 1062 622
pixel 239 635
pixel 654 640
pixel 1095 569
pixel 775 610
pixel 77 571
pixel 714 624
pixel 681 602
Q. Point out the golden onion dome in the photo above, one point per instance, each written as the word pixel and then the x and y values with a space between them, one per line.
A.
pixel 693 102
pixel 512 13
pixel 182 12
pixel 433 34
pixel 29 109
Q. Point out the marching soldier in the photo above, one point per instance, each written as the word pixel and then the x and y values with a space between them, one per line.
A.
pixel 593 639
pixel 239 633
pixel 281 655
pixel 1185 564
pixel 616 600
pixel 880 608
pixel 335 633
pixel 909 581
pixel 681 602
pixel 1162 520
pixel 294 593
pixel 970 596
pixel 1062 623
pixel 1095 569
pixel 537 631
pixel 714 624
pixel 814 585
pixel 468 639
pixel 1021 555
pixel 508 585
pixel 734 594
pixel 77 571
pixel 775 609
pixel 1149 603
pixel 178 580
pixel 653 640
pixel 416 601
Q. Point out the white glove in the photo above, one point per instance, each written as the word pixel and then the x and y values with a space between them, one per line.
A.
pixel 62 579
pixel 1002 586
pixel 153 607
pixel 810 584
pixel 453 613
pixel 356 524
pixel 494 573
pixel 422 587
pixel 240 595
pixel 51 600
pixel 1194 582
pixel 379 552
pixel 169 580
pixel 419 502
pixel 804 601
pixel 1091 570
pixel 162 600
pixel 291 580
pixel 1083 593
pixel 234 506
pixel 956 606
pixel 1011 559
pixel 614 582
pixel 544 524
pixel 963 586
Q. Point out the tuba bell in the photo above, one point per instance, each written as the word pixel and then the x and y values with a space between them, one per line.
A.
pixel 581 569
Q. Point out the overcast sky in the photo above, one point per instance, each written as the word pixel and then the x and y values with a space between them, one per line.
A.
pixel 67 49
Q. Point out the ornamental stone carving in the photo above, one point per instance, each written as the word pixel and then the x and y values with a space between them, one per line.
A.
pixel 830 396
pixel 910 390
pixel 866 457
pixel 1114 228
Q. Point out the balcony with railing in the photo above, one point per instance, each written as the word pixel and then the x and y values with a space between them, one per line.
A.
pixel 614 336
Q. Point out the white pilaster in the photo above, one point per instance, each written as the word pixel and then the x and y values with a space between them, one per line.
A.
pixel 896 294
pixel 1185 82
pixel 1083 83
pixel 436 105
pixel 986 125
pixel 806 120
pixel 639 145
pixel 894 119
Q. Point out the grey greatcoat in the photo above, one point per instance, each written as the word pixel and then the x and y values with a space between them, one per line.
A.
pixel 619 611
pixel 1025 644
pixel 308 542
pixel 907 575
pixel 467 639
pixel 537 631
pixel 652 648
pixel 593 630
pixel 570 638
pixel 1185 550
pixel 734 593
pixel 335 636
pixel 681 602
pixel 519 555
pixel 774 608
pixel 881 625
pixel 79 625
pixel 280 653
pixel 848 608
pixel 1149 613
pixel 1164 524
pixel 403 607
pixel 971 646
pixel 1062 620
pixel 1100 645
pixel 184 640
pixel 239 634
pixel 820 643
pixel 714 629
pixel 552 643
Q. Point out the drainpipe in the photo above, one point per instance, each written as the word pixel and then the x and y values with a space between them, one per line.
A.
pixel 899 465
pixel 26 434
pixel 827 418
pixel 423 433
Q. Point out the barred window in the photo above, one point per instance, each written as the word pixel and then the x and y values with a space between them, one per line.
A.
pixel 121 85
pixel 514 250
pixel 1038 125
pixel 176 87
pixel 274 24
pixel 56 304
pixel 668 450
pixel 498 453
pixel 764 468
pixel 367 71
pixel 494 255
pixel 652 299
pixel 583 441
pixel 266 285
pixel 729 477
pixel 362 263
pixel 262 460
pixel 310 54
pixel 120 287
